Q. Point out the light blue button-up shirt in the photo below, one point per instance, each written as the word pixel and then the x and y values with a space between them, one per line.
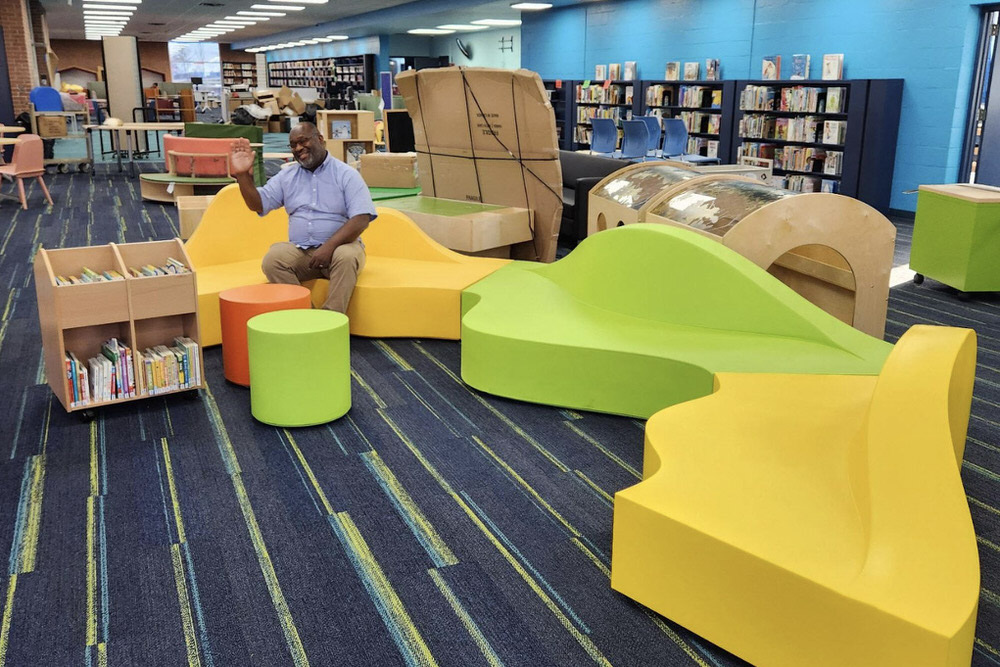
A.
pixel 318 202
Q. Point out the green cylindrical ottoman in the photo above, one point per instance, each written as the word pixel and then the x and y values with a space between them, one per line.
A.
pixel 300 367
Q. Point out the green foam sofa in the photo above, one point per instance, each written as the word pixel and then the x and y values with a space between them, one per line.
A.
pixel 641 317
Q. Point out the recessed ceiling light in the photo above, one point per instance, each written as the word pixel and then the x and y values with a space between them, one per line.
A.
pixel 284 8
pixel 338 38
pixel 498 22
pixel 462 26
pixel 303 2
pixel 127 8
pixel 429 31
pixel 120 2
pixel 245 13
pixel 531 6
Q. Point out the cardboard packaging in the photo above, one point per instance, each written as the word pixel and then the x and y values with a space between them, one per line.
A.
pixel 284 96
pixel 389 170
pixel 297 104
pixel 51 126
pixel 489 136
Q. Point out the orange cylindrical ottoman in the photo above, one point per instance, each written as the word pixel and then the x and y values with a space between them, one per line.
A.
pixel 238 305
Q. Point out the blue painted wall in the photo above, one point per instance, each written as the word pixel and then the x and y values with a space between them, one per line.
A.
pixel 930 44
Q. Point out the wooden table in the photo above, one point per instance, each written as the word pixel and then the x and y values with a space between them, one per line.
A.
pixel 129 129
pixel 8 141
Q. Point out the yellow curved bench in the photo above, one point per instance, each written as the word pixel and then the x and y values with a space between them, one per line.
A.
pixel 410 287
pixel 822 521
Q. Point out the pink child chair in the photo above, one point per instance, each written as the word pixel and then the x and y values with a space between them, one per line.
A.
pixel 27 162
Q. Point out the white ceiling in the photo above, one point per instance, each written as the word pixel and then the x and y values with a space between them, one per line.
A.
pixel 163 20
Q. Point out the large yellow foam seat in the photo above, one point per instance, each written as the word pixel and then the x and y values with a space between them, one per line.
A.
pixel 411 286
pixel 814 519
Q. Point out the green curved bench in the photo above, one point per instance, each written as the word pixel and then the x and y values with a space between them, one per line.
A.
pixel 641 317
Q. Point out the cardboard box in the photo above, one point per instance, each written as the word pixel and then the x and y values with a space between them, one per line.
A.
pixel 51 126
pixel 511 156
pixel 465 226
pixel 189 210
pixel 296 103
pixel 284 97
pixel 389 170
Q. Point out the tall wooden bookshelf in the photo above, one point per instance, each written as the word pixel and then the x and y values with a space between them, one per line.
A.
pixel 790 123
pixel 140 312
pixel 237 74
pixel 615 99
pixel 333 74
pixel 706 107
pixel 562 98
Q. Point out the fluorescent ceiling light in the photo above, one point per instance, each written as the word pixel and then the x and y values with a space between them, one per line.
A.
pixel 245 13
pixel 310 41
pixel 230 24
pixel 503 22
pixel 324 40
pixel 91 12
pixel 429 31
pixel 302 2
pixel 105 21
pixel 531 6
pixel 119 2
pixel 337 37
pixel 289 8
pixel 242 19
pixel 462 26
pixel 127 8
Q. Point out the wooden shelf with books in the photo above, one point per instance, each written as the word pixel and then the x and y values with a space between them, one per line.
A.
pixel 236 74
pixel 614 99
pixel 348 134
pixel 822 135
pixel 705 106
pixel 561 97
pixel 119 322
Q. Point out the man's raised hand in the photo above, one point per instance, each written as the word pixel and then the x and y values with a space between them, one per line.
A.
pixel 242 157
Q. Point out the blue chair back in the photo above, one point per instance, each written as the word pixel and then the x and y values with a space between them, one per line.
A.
pixel 604 137
pixel 45 99
pixel 635 142
pixel 653 126
pixel 675 137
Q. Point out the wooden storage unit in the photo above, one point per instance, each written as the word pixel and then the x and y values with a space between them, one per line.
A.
pixel 617 101
pixel 335 75
pixel 189 210
pixel 140 312
pixel 833 250
pixel 236 74
pixel 866 152
pixel 706 107
pixel 360 125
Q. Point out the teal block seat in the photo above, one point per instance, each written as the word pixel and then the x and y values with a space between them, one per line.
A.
pixel 641 317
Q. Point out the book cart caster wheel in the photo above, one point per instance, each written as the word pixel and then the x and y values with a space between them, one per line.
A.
pixel 63 168
pixel 85 168
pixel 918 278
pixel 86 416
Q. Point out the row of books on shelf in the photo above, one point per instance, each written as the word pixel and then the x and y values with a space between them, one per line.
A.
pixel 582 135
pixel 697 121
pixel 800 99
pixel 703 146
pixel 299 64
pixel 797 158
pixel 350 69
pixel 89 276
pixel 687 96
pixel 118 372
pixel 810 129
pixel 613 94
pixel 799 183
pixel 617 114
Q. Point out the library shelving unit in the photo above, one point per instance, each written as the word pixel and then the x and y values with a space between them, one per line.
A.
pixel 615 99
pixel 706 107
pixel 561 97
pixel 235 74
pixel 140 312
pixel 331 74
pixel 309 73
pixel 822 135
pixel 348 134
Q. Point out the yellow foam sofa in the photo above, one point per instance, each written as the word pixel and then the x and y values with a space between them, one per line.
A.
pixel 814 519
pixel 411 286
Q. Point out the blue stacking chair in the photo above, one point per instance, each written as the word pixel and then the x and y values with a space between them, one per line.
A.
pixel 635 142
pixel 604 137
pixel 655 135
pixel 675 139
pixel 45 99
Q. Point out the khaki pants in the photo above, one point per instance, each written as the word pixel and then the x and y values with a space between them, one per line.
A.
pixel 288 264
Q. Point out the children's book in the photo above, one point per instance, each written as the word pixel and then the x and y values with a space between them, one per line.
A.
pixel 712 70
pixel 833 66
pixel 691 71
pixel 673 71
pixel 771 68
pixel 800 66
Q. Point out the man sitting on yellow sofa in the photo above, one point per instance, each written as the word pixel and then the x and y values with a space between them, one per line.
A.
pixel 328 206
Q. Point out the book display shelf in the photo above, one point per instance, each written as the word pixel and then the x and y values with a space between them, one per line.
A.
pixel 311 73
pixel 236 74
pixel 704 106
pixel 348 134
pixel 613 99
pixel 334 77
pixel 822 136
pixel 561 96
pixel 139 312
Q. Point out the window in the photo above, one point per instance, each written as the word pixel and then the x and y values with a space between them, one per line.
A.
pixel 189 60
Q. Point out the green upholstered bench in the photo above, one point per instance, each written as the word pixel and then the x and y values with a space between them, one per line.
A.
pixel 641 317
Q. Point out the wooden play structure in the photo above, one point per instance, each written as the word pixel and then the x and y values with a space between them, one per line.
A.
pixel 833 250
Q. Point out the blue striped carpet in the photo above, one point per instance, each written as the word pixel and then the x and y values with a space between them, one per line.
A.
pixel 433 525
